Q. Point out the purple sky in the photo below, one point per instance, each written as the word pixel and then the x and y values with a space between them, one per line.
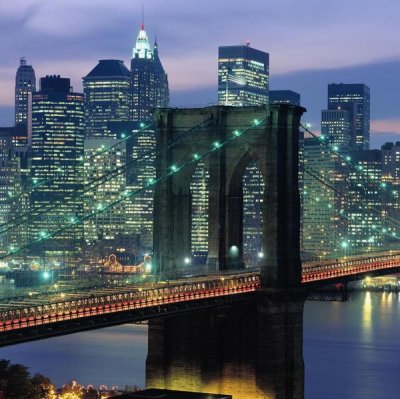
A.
pixel 311 43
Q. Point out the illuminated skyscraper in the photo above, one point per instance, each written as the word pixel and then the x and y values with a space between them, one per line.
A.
pixel 391 185
pixel 323 224
pixel 57 163
pixel 149 82
pixel 365 200
pixel 243 80
pixel 243 76
pixel 355 98
pixel 104 156
pixel 199 189
pixel 337 128
pixel 25 85
pixel 107 97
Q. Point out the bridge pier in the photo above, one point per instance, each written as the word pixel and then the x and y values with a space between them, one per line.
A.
pixel 250 350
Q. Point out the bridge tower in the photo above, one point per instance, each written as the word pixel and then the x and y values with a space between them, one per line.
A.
pixel 253 349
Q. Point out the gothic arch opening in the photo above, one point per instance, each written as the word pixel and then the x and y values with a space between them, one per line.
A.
pixel 245 215
pixel 199 189
pixel 253 192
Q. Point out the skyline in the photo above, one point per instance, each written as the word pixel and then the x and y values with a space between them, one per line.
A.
pixel 316 52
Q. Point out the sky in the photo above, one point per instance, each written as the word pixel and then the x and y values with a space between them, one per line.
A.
pixel 311 43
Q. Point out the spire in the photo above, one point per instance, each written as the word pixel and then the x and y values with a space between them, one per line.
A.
pixel 142 48
pixel 142 27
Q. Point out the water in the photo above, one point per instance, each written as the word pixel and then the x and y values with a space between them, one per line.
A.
pixel 351 351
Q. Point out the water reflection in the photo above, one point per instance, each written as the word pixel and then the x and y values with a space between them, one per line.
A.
pixel 366 328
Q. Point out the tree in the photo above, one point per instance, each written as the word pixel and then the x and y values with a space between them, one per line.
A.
pixel 16 383
pixel 42 387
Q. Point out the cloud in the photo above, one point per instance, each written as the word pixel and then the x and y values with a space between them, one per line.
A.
pixel 386 126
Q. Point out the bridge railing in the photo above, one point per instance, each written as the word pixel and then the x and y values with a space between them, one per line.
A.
pixel 14 316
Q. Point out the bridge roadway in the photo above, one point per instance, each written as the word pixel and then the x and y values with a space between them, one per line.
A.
pixel 57 314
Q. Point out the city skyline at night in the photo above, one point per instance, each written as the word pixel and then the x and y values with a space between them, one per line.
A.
pixel 320 47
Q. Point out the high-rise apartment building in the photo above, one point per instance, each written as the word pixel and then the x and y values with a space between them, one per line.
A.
pixel 355 98
pixel 107 97
pixel 149 82
pixel 336 127
pixel 57 163
pixel 25 85
pixel 243 76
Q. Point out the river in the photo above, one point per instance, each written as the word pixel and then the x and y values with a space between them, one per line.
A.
pixel 351 351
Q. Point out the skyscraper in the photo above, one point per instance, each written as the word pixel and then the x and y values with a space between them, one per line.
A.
pixel 107 97
pixel 149 82
pixel 57 162
pixel 25 85
pixel 9 188
pixel 243 76
pixel 284 97
pixel 364 203
pixel 390 184
pixel 337 128
pixel 355 98
pixel 243 80
pixel 323 224
pixel 103 231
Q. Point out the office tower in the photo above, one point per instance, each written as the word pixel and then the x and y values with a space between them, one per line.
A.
pixel 199 189
pixel 355 98
pixel 390 187
pixel 107 97
pixel 8 188
pixel 141 171
pixel 104 156
pixel 324 226
pixel 14 179
pixel 364 201
pixel 336 127
pixel 149 82
pixel 284 97
pixel 57 164
pixel 25 85
pixel 243 80
pixel 243 76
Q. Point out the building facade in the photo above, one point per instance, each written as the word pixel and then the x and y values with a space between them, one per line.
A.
pixel 107 97
pixel 355 98
pixel 104 157
pixel 149 82
pixel 243 76
pixel 25 85
pixel 336 127
pixel 57 164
